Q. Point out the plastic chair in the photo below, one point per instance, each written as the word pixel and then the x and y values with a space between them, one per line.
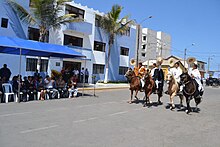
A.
pixel 7 90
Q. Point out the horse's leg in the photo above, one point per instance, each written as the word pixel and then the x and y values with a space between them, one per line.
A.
pixel 171 101
pixel 197 101
pixel 136 92
pixel 130 101
pixel 181 100
pixel 188 109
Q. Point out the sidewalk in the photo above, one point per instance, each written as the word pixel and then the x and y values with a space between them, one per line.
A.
pixel 102 86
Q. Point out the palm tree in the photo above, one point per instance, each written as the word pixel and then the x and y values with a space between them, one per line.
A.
pixel 45 14
pixel 113 26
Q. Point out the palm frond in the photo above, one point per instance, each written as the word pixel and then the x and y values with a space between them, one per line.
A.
pixel 115 12
pixel 22 13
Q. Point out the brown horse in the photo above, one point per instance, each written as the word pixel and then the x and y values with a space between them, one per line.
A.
pixel 173 88
pixel 148 88
pixel 134 83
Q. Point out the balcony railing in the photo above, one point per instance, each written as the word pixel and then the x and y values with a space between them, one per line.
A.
pixel 81 27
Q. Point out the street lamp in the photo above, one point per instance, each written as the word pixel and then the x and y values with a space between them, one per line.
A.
pixel 139 33
pixel 185 53
pixel 209 59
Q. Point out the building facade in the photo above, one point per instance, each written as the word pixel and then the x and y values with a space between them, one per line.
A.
pixel 154 44
pixel 85 37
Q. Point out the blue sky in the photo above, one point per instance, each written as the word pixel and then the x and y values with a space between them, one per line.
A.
pixel 187 21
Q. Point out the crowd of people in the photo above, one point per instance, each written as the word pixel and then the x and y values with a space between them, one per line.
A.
pixel 36 87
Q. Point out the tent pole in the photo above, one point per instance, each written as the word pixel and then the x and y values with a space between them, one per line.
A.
pixel 19 79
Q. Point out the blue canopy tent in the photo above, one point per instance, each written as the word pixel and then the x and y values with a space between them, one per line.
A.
pixel 20 47
pixel 33 48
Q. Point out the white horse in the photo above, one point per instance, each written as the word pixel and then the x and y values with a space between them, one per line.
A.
pixel 173 88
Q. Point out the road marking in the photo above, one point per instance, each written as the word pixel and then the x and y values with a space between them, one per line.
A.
pixel 118 113
pixel 38 129
pixel 83 120
pixel 78 121
pixel 92 118
pixel 11 114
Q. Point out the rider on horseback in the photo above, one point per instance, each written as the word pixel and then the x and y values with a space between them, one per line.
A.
pixel 140 71
pixel 176 71
pixel 195 74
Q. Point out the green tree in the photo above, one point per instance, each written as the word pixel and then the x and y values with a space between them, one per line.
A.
pixel 45 14
pixel 113 26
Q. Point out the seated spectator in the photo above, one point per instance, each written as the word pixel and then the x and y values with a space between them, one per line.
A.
pixel 73 91
pixel 41 88
pixel 50 86
pixel 61 87
pixel 31 89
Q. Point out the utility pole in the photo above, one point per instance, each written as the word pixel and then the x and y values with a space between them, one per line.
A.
pixel 139 38
pixel 208 64
pixel 138 43
pixel 184 57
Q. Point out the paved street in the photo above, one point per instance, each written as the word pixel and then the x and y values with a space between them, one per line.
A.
pixel 109 121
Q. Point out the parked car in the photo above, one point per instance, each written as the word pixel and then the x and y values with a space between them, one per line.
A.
pixel 212 82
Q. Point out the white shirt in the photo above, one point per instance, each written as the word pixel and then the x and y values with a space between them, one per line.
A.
pixel 196 74
pixel 176 72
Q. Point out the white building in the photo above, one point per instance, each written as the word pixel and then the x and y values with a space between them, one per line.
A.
pixel 84 37
pixel 154 44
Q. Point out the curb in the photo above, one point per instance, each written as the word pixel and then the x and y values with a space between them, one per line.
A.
pixel 101 88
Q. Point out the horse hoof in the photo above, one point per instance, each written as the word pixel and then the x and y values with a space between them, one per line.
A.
pixel 129 102
pixel 187 111
pixel 171 108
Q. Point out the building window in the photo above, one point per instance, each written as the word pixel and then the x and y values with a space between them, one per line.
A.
pixel 124 51
pixel 43 65
pixel 98 69
pixel 122 70
pixel 79 13
pixel 4 23
pixel 97 20
pixel 203 67
pixel 72 40
pixel 144 46
pixel 99 46
pixel 31 64
pixel 34 34
pixel 143 54
pixel 144 38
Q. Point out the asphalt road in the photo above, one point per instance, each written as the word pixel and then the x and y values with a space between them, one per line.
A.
pixel 109 121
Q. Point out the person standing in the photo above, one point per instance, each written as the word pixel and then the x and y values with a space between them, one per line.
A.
pixel 86 75
pixel 5 72
pixel 82 74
